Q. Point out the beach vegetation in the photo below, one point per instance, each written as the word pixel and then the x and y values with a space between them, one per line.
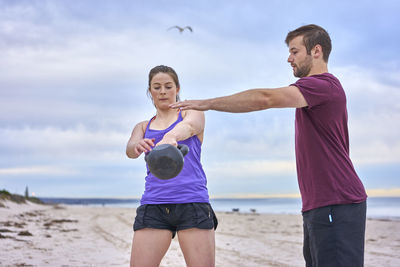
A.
pixel 5 195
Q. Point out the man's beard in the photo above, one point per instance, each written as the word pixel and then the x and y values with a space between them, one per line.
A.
pixel 304 68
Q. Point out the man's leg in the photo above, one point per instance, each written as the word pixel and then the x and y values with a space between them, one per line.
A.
pixel 320 245
pixel 350 231
pixel 306 245
pixel 334 235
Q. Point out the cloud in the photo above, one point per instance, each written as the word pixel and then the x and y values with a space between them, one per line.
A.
pixel 255 196
pixel 37 170
pixel 74 80
pixel 373 109
pixel 246 168
pixel 52 144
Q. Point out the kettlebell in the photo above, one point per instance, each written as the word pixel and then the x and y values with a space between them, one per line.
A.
pixel 166 161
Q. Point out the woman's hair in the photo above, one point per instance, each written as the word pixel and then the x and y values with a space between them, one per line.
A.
pixel 164 69
pixel 312 35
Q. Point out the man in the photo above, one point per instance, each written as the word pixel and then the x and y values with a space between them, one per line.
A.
pixel 333 197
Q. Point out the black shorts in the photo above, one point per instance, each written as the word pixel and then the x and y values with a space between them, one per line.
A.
pixel 334 235
pixel 175 217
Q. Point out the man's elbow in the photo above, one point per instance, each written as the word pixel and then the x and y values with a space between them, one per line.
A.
pixel 265 102
pixel 271 99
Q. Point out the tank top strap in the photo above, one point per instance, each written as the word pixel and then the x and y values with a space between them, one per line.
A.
pixel 179 119
pixel 148 124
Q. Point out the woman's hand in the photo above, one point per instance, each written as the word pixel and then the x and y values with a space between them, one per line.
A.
pixel 137 144
pixel 144 145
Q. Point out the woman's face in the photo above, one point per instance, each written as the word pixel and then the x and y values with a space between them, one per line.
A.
pixel 163 90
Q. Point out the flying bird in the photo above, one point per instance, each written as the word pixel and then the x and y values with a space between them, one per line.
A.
pixel 181 29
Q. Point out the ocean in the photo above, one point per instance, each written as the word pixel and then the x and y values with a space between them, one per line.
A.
pixel 377 207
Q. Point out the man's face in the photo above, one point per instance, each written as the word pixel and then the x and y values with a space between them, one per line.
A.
pixel 298 58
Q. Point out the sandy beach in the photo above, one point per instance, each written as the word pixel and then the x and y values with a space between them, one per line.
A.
pixel 44 235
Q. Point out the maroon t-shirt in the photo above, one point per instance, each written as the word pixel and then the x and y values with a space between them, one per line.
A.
pixel 325 172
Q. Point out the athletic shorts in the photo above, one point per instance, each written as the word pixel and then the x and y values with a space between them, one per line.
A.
pixel 334 235
pixel 175 217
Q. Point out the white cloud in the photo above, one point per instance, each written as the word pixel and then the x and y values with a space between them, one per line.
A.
pixel 373 110
pixel 64 144
pixel 250 168
pixel 73 82
pixel 37 170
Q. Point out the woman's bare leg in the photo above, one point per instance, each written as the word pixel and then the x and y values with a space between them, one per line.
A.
pixel 198 247
pixel 149 247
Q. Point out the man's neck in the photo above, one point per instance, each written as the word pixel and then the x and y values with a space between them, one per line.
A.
pixel 318 68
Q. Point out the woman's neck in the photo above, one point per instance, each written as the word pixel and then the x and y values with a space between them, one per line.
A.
pixel 166 114
pixel 164 118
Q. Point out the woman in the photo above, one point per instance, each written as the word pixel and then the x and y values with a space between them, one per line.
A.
pixel 178 205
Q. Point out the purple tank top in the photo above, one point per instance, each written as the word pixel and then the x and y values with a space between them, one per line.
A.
pixel 189 186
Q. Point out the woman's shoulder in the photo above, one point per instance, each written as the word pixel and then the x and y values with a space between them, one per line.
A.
pixel 184 113
pixel 142 125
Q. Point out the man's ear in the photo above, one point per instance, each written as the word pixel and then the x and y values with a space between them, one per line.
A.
pixel 317 52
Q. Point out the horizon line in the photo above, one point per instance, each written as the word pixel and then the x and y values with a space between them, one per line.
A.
pixel 394 192
pixel 377 192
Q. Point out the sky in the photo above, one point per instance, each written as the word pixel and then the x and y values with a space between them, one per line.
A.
pixel 73 81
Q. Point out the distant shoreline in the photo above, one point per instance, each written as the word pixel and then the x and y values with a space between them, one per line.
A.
pixel 211 198
pixel 378 207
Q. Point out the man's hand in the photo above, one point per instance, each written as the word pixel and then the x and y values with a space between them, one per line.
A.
pixel 202 105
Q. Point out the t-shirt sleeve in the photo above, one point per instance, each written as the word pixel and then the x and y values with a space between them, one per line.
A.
pixel 315 91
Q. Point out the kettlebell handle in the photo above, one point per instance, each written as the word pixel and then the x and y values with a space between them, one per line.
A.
pixel 183 148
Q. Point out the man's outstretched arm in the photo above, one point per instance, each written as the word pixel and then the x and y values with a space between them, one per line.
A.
pixel 249 100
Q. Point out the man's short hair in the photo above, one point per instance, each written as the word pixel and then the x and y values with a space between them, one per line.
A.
pixel 312 35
